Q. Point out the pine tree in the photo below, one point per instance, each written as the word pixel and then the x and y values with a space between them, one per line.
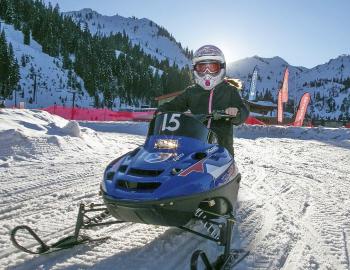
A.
pixel 3 8
pixel 9 68
pixel 4 65
pixel 67 63
pixel 14 75
pixel 9 13
pixel 26 34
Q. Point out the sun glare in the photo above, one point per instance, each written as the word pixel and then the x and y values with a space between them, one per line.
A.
pixel 229 52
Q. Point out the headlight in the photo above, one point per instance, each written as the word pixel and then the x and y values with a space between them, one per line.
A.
pixel 166 144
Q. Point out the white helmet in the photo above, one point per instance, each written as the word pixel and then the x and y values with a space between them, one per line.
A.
pixel 209 66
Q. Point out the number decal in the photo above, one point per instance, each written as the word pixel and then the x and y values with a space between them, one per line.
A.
pixel 165 118
pixel 173 120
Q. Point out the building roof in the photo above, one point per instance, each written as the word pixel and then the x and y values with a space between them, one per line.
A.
pixel 262 104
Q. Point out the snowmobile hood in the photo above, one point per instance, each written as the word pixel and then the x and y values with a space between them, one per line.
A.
pixel 152 172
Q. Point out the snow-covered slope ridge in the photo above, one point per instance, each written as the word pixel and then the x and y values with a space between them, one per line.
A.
pixel 140 31
pixel 43 70
pixel 326 83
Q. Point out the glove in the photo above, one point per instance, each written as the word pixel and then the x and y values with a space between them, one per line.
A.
pixel 216 116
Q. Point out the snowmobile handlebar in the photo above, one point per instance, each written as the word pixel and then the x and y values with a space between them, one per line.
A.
pixel 220 114
pixel 215 115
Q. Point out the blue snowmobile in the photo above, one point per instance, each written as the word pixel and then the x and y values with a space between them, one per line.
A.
pixel 179 175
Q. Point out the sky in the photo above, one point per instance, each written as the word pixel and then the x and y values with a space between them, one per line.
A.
pixel 304 33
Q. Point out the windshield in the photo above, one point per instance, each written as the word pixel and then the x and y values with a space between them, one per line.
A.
pixel 178 124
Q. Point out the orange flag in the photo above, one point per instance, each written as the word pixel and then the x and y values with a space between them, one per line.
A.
pixel 280 108
pixel 304 102
pixel 285 86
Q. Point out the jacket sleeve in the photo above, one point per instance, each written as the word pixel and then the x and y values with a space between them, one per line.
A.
pixel 178 104
pixel 243 112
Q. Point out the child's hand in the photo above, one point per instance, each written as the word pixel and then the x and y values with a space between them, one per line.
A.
pixel 231 111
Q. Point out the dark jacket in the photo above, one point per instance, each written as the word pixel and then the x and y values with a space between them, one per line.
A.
pixel 196 99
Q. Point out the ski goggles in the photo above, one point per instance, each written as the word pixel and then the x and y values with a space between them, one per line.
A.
pixel 211 67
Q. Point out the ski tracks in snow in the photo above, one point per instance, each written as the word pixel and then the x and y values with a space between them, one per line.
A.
pixel 299 194
pixel 293 209
pixel 44 192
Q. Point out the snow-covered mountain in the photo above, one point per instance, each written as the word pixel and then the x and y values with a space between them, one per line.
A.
pixel 42 72
pixel 153 39
pixel 328 83
pixel 270 74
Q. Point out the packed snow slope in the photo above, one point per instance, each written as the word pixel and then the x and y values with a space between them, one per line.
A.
pixel 292 213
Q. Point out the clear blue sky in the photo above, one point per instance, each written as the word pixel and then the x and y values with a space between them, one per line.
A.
pixel 303 32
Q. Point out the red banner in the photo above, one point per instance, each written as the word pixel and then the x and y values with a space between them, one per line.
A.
pixel 91 114
pixel 280 108
pixel 284 88
pixel 304 102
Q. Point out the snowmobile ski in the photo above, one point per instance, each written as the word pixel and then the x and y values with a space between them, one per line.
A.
pixel 83 222
pixel 65 243
pixel 229 258
pixel 232 260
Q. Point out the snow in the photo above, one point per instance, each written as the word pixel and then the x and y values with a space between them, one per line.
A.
pixel 292 212
pixel 118 53
pixel 155 70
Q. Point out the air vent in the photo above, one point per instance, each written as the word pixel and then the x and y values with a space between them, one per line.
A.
pixel 122 168
pixel 199 155
pixel 110 175
pixel 138 186
pixel 146 173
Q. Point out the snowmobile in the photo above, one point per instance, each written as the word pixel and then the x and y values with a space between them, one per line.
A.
pixel 180 175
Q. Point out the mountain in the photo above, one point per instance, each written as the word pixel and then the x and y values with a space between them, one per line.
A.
pixel 46 74
pixel 152 38
pixel 129 61
pixel 328 84
pixel 58 54
pixel 270 73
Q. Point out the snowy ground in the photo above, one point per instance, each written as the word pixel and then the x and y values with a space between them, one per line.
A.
pixel 293 210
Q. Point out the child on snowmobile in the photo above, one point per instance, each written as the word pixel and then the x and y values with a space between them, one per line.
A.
pixel 211 93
